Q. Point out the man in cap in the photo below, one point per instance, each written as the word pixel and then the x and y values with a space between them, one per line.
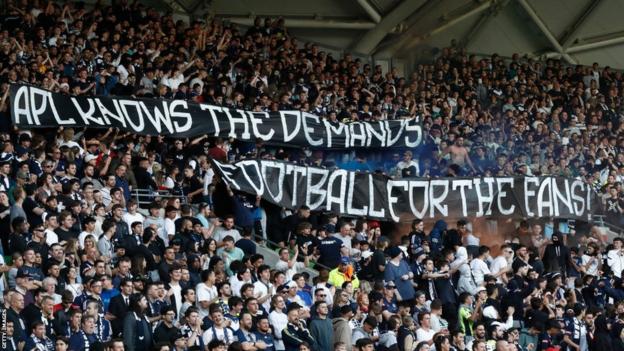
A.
pixel 296 331
pixel 344 273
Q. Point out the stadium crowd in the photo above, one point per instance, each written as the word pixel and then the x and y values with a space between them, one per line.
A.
pixel 90 265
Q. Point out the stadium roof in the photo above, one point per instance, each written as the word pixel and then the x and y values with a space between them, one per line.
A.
pixel 579 31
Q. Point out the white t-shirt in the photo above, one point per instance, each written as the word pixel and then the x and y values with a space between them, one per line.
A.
pixel 52 238
pixel 169 230
pixel 479 270
pixel 279 321
pixel 221 233
pixel 260 290
pixel 424 335
pixel 177 295
pixel 131 218
pixel 219 334
pixel 205 293
pixel 593 267
pixel 499 264
pixel 236 285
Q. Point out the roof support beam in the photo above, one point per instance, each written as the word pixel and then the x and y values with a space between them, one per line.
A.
pixel 367 43
pixel 599 42
pixel 568 35
pixel 473 10
pixel 308 23
pixel 542 26
pixel 496 7
pixel 370 10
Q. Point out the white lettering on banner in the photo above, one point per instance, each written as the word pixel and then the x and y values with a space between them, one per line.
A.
pixel 295 170
pixel 280 179
pixel 342 128
pixel 413 127
pixel 502 194
pixel 159 116
pixel 438 201
pixel 350 209
pixel 361 136
pixel 237 120
pixel 20 98
pixel 483 199
pixel 394 199
pixel 340 199
pixel 391 141
pixel 182 115
pixel 529 193
pixel 376 196
pixel 414 184
pixel 227 173
pixel 309 131
pixel 316 188
pixel 213 114
pixel 379 134
pixel 38 110
pixel 578 200
pixel 138 128
pixel 106 113
pixel 87 116
pixel 297 117
pixel 371 198
pixel 545 190
pixel 462 184
pixel 564 197
pixel 255 175
pixel 257 121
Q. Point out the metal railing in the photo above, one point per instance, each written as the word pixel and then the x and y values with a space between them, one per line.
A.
pixel 272 245
pixel 600 221
pixel 147 196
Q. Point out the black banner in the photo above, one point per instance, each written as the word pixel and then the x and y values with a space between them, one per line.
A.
pixel 378 196
pixel 32 107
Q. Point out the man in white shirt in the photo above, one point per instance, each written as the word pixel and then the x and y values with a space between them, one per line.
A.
pixel 171 214
pixel 615 257
pixel 132 215
pixel 51 223
pixel 478 265
pixel 502 264
pixel 263 289
pixel 226 229
pixel 345 235
pixel 206 292
pixel 424 333
pixel 407 167
pixel 220 329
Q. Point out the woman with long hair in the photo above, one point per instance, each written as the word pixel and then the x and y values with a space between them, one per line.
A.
pixel 137 331
pixel 138 266
pixel 72 284
pixel 278 319
pixel 210 251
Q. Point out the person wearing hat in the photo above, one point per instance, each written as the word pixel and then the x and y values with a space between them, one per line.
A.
pixel 296 331
pixel 344 273
pixel 398 271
